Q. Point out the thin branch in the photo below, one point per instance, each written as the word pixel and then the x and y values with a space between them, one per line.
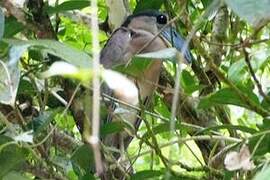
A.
pixel 94 139
pixel 253 75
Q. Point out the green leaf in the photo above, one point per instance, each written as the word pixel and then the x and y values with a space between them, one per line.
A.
pixel 147 174
pixel 12 27
pixel 10 75
pixel 255 12
pixel 228 96
pixel 135 67
pixel 188 82
pixel 43 120
pixel 2 23
pixel 11 156
pixel 237 72
pixel 69 54
pixel 68 5
pixel 110 128
pixel 148 4
pixel 83 160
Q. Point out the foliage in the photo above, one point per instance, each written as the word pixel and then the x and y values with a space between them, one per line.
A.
pixel 224 97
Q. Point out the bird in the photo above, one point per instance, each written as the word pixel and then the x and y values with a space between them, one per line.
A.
pixel 137 31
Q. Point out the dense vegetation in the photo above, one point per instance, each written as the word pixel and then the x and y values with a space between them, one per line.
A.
pixel 218 129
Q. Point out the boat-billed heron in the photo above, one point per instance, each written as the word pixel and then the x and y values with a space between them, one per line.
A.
pixel 131 38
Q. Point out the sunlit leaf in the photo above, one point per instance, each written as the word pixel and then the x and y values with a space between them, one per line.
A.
pixel 69 54
pixel 256 13
pixel 169 53
pixel 263 174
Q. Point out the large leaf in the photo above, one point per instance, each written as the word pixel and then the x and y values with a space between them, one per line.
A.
pixel 228 96
pixel 69 54
pixel 255 12
pixel 11 156
pixel 10 75
pixel 2 23
pixel 69 5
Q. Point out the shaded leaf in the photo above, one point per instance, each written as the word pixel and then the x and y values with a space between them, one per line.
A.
pixel 256 13
pixel 148 4
pixel 110 128
pixel 83 160
pixel 12 27
pixel 43 120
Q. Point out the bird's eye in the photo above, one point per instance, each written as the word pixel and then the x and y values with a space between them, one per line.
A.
pixel 162 19
pixel 132 34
